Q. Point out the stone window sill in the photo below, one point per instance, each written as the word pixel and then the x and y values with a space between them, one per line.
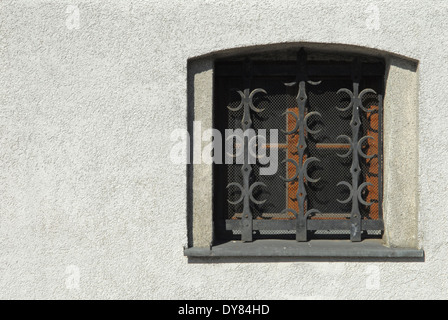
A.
pixel 371 248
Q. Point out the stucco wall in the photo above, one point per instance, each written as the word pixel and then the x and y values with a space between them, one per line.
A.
pixel 90 204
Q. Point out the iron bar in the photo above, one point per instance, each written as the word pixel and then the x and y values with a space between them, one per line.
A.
pixel 312 224
pixel 246 169
pixel 301 166
pixel 356 151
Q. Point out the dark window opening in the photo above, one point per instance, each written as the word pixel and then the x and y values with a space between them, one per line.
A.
pixel 328 113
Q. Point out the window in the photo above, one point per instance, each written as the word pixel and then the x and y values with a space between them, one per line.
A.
pixel 327 115
pixel 303 136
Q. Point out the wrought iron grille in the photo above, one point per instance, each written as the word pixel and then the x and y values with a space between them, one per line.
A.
pixel 329 179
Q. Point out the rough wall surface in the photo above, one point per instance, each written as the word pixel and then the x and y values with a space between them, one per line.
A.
pixel 90 204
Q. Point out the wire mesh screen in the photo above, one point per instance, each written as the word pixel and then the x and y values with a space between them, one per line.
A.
pixel 328 143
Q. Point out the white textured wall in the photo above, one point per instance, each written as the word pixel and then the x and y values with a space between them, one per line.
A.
pixel 86 186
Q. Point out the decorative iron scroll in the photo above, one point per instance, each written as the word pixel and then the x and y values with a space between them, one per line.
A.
pixel 301 128
pixel 246 169
pixel 355 149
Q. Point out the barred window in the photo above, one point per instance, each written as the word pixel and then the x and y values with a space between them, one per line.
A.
pixel 325 112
